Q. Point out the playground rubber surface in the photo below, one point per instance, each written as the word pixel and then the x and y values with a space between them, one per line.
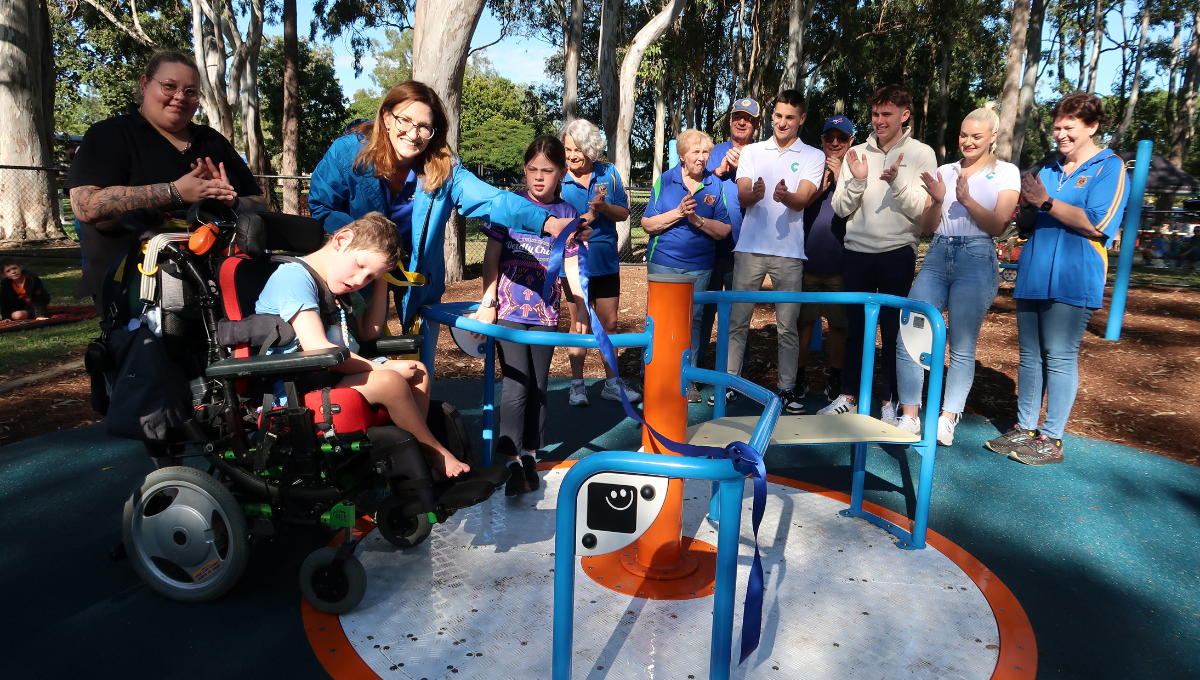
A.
pixel 1100 551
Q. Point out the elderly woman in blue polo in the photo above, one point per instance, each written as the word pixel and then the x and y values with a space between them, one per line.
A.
pixel 1079 201
pixel 402 166
pixel 685 218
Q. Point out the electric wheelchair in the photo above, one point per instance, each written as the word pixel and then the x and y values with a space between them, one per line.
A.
pixel 182 365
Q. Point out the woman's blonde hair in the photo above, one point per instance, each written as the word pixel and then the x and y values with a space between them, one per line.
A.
pixel 986 113
pixel 435 162
pixel 689 138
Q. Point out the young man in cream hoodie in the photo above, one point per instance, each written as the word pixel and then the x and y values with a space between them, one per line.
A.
pixel 880 193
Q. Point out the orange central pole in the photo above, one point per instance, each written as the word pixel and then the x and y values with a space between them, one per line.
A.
pixel 665 408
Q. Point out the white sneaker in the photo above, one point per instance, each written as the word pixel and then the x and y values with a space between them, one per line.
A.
pixel 946 429
pixel 843 404
pixel 887 413
pixel 612 392
pixel 910 424
pixel 577 395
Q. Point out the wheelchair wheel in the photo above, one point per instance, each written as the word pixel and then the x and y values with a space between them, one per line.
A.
pixel 185 534
pixel 329 589
pixel 402 531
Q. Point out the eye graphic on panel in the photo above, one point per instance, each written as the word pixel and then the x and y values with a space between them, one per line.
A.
pixel 614 510
pixel 468 343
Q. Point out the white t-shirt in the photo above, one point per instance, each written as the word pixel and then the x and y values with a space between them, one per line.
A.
pixel 985 189
pixel 769 227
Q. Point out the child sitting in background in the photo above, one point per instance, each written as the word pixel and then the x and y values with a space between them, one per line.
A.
pixel 22 295
pixel 514 277
pixel 354 256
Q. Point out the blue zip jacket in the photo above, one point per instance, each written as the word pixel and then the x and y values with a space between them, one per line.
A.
pixel 339 194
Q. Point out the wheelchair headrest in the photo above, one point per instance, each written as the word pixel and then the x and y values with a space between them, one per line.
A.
pixel 258 233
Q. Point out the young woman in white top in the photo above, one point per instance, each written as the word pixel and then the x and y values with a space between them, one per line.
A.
pixel 969 203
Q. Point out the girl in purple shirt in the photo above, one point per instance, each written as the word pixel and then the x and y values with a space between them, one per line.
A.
pixel 514 277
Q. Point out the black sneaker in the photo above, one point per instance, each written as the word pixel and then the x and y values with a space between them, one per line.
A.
pixel 517 483
pixel 693 394
pixel 1041 450
pixel 1005 443
pixel 730 397
pixel 529 463
pixel 791 403
pixel 801 388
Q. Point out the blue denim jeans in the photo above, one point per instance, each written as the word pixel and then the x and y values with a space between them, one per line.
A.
pixel 1049 334
pixel 961 275
pixel 701 285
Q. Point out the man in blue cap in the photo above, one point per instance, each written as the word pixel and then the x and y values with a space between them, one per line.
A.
pixel 824 234
pixel 744 123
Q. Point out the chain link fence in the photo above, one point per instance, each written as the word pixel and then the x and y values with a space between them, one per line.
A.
pixel 26 191
pixel 275 189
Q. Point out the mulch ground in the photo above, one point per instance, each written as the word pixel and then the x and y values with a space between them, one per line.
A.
pixel 1139 391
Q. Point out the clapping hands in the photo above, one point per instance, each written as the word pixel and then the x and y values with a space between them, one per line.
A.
pixel 206 180
pixel 936 188
pixel 890 174
pixel 858 164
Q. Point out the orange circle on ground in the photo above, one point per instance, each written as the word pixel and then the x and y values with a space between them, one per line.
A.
pixel 615 571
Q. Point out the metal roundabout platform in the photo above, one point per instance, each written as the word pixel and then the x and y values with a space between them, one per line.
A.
pixel 475 601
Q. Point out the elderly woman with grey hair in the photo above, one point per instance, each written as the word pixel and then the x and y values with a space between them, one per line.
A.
pixel 594 189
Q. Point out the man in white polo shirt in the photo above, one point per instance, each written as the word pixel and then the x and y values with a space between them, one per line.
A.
pixel 777 179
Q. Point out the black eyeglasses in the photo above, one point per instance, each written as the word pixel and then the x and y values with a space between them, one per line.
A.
pixel 405 125
pixel 170 88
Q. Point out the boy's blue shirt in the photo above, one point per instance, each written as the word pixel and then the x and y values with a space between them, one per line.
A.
pixel 289 291
pixel 339 194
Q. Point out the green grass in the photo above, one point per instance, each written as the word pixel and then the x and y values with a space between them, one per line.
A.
pixel 67 341
pixel 1149 276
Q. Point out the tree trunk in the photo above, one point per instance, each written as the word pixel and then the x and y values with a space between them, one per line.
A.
pixel 1097 40
pixel 440 63
pixel 660 115
pixel 249 96
pixel 1012 78
pixel 572 36
pixel 1185 116
pixel 1033 59
pixel 646 37
pixel 1119 135
pixel 26 125
pixel 798 18
pixel 290 164
pixel 1172 73
pixel 944 92
pixel 610 104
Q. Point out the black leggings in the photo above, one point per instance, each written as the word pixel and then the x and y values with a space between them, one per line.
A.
pixel 889 273
pixel 526 369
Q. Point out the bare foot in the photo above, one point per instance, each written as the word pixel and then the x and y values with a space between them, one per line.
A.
pixel 443 463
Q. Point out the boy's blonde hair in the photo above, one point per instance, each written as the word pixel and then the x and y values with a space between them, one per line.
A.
pixel 374 233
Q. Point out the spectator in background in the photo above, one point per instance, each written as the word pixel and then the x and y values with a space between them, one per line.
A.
pixel 1060 277
pixel 744 123
pixel 824 235
pixel 970 202
pixel 22 294
pixel 402 166
pixel 881 196
pixel 155 157
pixel 594 189
pixel 1190 250
pixel 772 237
pixel 685 218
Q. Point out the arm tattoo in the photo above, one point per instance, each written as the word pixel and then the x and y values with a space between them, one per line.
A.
pixel 95 205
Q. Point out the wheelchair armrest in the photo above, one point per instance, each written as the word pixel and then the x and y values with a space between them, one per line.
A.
pixel 391 344
pixel 274 364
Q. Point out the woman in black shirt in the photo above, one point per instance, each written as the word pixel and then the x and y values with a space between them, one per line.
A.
pixel 152 158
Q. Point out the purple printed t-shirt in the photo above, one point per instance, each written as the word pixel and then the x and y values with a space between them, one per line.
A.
pixel 523 261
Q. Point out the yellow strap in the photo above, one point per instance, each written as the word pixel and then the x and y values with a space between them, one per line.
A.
pixel 410 279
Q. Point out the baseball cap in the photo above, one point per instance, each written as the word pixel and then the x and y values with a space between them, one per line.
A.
pixel 841 123
pixel 747 105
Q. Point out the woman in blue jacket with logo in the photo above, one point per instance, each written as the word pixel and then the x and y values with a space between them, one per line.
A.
pixel 402 166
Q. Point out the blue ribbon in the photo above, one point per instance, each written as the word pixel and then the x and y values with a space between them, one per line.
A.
pixel 745 458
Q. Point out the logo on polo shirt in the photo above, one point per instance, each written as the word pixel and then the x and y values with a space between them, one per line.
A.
pixel 1080 182
pixel 795 167
pixel 709 199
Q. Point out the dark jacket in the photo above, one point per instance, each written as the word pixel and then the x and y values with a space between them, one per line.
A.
pixel 9 302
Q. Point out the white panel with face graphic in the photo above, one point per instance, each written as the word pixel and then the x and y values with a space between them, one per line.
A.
pixel 917 334
pixel 614 509
pixel 471 345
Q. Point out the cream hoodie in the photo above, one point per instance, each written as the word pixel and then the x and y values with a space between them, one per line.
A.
pixel 883 217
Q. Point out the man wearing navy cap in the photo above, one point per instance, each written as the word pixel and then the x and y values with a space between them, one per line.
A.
pixel 744 123
pixel 824 234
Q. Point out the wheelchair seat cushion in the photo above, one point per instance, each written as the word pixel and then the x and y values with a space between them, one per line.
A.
pixel 351 412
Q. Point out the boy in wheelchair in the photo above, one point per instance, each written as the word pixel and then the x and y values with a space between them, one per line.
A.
pixel 355 256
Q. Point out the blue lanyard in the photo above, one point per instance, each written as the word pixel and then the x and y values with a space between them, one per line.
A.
pixel 745 458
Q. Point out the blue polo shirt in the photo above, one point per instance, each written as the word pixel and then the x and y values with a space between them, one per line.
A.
pixel 683 245
pixel 1058 263
pixel 602 245
pixel 732 206
pixel 400 205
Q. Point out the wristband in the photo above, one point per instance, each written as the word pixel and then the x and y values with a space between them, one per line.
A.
pixel 176 197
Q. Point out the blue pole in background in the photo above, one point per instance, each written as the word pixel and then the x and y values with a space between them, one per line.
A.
pixel 672 154
pixel 1133 217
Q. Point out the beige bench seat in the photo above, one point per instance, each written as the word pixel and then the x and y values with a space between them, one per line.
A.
pixel 847 428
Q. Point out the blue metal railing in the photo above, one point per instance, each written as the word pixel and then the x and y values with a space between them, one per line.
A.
pixel 720 472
